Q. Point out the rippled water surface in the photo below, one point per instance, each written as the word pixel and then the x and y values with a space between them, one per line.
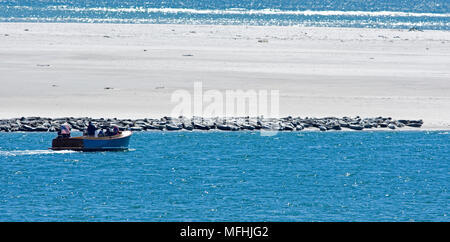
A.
pixel 235 176
pixel 421 14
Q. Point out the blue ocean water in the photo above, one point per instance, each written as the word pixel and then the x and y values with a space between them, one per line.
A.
pixel 422 14
pixel 230 176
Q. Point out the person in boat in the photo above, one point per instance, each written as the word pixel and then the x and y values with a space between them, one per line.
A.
pixel 116 130
pixel 91 129
pixel 101 133
pixel 64 132
pixel 112 131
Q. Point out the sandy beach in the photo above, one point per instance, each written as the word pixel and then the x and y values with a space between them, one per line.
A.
pixel 122 70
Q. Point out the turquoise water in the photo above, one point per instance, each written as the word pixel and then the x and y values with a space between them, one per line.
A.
pixel 230 176
pixel 421 14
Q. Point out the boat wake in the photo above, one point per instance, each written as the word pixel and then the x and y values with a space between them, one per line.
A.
pixel 32 152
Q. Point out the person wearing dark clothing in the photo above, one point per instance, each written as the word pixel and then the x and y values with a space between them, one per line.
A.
pixel 116 130
pixel 91 129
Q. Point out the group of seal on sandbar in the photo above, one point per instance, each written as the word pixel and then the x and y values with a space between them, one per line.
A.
pixel 41 124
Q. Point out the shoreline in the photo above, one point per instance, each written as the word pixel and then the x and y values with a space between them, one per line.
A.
pixel 42 124
pixel 64 69
pixel 407 29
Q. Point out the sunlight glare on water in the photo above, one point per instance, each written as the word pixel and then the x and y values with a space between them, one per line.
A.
pixel 235 176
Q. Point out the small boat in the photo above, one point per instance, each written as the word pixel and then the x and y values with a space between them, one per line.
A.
pixel 90 143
